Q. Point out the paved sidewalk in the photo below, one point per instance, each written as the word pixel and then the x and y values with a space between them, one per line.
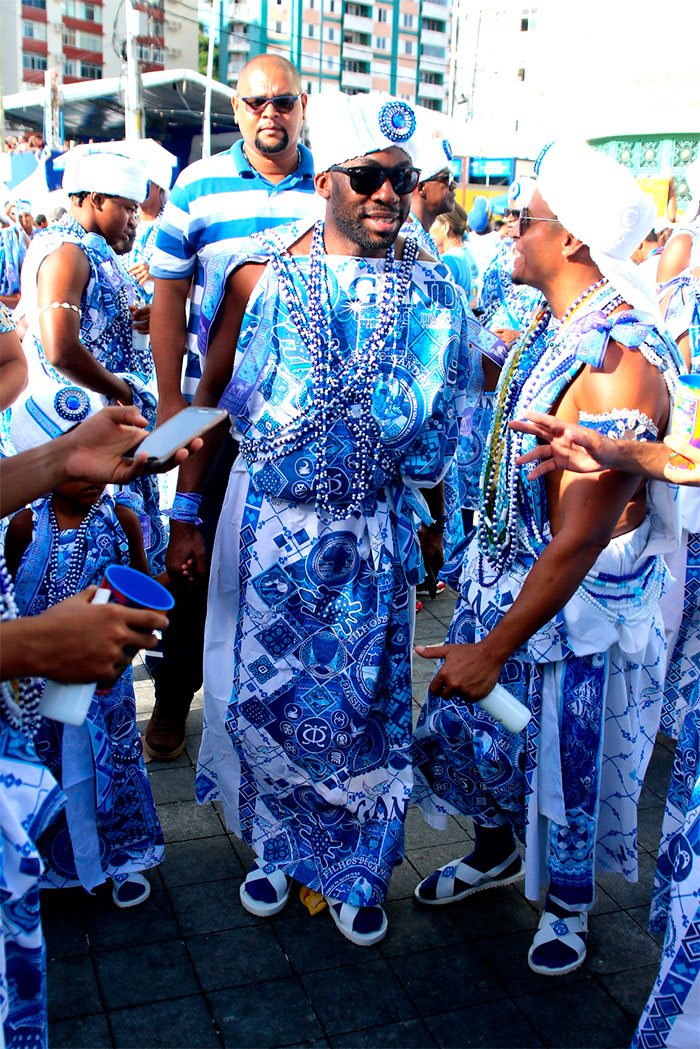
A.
pixel 191 968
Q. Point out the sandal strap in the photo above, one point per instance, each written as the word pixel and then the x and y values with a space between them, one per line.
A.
pixel 461 871
pixel 272 875
pixel 570 930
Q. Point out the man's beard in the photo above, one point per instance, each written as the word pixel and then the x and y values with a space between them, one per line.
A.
pixel 350 226
pixel 278 146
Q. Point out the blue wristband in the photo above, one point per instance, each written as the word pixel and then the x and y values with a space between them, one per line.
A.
pixel 185 507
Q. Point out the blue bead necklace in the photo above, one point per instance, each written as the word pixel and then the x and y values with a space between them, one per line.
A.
pixel 342 385
pixel 71 582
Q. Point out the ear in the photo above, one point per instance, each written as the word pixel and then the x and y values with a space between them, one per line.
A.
pixel 98 200
pixel 322 183
pixel 303 99
pixel 570 245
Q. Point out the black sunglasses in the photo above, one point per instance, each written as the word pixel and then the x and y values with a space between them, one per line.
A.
pixel 525 218
pixel 282 103
pixel 447 180
pixel 367 179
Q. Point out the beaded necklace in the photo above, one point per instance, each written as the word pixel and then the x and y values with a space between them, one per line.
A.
pixel 20 706
pixel 76 563
pixel 342 388
pixel 500 478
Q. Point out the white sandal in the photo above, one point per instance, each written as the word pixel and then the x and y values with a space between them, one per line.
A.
pixel 122 894
pixel 443 885
pixel 272 883
pixel 350 920
pixel 571 931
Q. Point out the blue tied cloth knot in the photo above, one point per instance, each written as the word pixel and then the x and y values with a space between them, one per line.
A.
pixel 594 331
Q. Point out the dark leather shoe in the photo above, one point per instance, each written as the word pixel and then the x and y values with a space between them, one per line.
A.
pixel 165 732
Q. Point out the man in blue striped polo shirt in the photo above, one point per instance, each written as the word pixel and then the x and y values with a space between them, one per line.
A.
pixel 264 180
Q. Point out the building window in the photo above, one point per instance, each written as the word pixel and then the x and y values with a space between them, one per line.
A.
pixel 69 37
pixel 331 34
pixel 382 14
pixel 434 25
pixel 521 74
pixel 408 21
pixel 528 20
pixel 69 67
pixel 91 13
pixel 32 61
pixel 34 30
pixel 90 71
pixel 407 47
pixel 278 27
pixel 40 4
pixel 331 6
pixel 89 42
pixel 380 43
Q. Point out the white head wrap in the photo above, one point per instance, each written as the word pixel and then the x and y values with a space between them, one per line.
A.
pixel 343 127
pixel 157 161
pixel 105 167
pixel 51 410
pixel 434 153
pixel 520 192
pixel 602 204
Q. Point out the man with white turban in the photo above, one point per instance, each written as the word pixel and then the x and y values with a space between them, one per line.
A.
pixel 560 586
pixel 76 297
pixel 351 362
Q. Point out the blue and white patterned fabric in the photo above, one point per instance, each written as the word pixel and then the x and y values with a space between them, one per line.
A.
pixel 6 447
pixel 504 304
pixel 13 249
pixel 671 1017
pixel 30 798
pixel 106 331
pixel 215 204
pixel 307 672
pixel 109 827
pixel 592 676
pixel 681 605
pixel 142 251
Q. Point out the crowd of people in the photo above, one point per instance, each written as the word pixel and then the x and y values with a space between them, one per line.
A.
pixel 411 394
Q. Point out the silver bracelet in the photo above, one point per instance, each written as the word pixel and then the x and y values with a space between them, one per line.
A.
pixel 59 306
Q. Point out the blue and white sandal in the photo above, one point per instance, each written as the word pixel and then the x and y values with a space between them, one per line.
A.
pixel 265 890
pixel 364 926
pixel 559 945
pixel 457 880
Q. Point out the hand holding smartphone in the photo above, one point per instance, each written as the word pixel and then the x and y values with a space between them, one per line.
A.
pixel 162 444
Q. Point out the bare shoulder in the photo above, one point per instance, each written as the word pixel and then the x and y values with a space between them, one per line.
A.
pixel 244 278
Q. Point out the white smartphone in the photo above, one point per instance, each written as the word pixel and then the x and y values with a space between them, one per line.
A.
pixel 160 445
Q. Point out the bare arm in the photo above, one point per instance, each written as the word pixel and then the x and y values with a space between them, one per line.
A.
pixel 186 545
pixel 132 529
pixel 13 369
pixel 63 276
pixel 675 257
pixel 168 342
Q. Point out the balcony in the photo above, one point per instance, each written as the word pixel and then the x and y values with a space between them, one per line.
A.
pixel 431 91
pixel 359 23
pixel 358 51
pixel 435 9
pixel 429 36
pixel 359 81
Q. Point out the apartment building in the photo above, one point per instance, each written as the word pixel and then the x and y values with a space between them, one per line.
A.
pixel 398 46
pixel 83 38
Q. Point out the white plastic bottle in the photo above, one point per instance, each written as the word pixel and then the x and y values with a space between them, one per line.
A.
pixel 511 713
pixel 70 703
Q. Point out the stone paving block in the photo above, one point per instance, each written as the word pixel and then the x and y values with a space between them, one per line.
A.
pixel 572 1017
pixel 62 922
pixel 238 956
pixel 641 916
pixel 506 956
pixel 172 784
pixel 483 1026
pixel 192 744
pixel 72 988
pixel 109 927
pixel 277 1014
pixel 416 928
pixel 180 1023
pixel 180 762
pixel 84 1032
pixel 603 902
pixel 145 973
pixel 403 1035
pixel 617 944
pixel 210 907
pixel 404 879
pixel 313 943
pixel 493 913
pixel 447 978
pixel 184 820
pixel 629 893
pixel 420 835
pixel 198 861
pixel 631 989
pixel 357 996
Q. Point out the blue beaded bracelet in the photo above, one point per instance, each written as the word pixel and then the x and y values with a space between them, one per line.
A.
pixel 185 507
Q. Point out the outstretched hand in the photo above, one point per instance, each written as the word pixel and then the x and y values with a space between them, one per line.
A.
pixel 567 446
pixel 468 671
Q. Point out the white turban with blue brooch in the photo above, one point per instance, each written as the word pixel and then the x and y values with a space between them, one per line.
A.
pixel 51 410
pixel 344 127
